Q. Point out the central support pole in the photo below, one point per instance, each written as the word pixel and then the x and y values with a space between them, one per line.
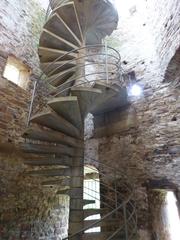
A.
pixel 81 68
pixel 76 215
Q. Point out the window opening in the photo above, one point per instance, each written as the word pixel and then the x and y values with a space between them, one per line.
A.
pixel 92 192
pixel 16 72
pixel 173 219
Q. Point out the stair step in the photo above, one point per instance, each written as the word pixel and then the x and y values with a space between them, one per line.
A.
pixel 73 193
pixel 88 15
pixel 55 67
pixel 91 176
pixel 64 172
pixel 64 182
pixel 51 54
pixel 87 202
pixel 68 108
pixel 117 101
pixel 107 93
pixel 63 192
pixel 47 149
pixel 51 40
pixel 64 161
pixel 70 17
pixel 64 89
pixel 61 77
pixel 107 88
pixel 87 98
pixel 56 24
pixel 52 120
pixel 102 236
pixel 61 182
pixel 107 223
pixel 52 136
pixel 91 212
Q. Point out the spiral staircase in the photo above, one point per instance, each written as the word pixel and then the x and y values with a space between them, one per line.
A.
pixel 82 76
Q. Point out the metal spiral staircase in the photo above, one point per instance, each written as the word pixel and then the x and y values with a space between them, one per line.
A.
pixel 82 76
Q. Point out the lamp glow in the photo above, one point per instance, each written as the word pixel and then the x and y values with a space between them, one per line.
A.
pixel 135 90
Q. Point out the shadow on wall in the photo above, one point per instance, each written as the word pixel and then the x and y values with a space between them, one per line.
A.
pixel 172 73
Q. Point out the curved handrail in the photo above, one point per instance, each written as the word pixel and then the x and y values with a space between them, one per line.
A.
pixel 117 66
pixel 82 48
pixel 104 217
pixel 113 54
pixel 121 206
pixel 80 84
pixel 112 60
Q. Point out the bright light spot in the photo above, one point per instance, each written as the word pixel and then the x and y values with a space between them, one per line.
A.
pixel 92 192
pixel 123 6
pixel 12 73
pixel 173 216
pixel 135 90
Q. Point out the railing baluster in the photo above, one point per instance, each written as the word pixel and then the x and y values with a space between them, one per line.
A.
pixel 31 104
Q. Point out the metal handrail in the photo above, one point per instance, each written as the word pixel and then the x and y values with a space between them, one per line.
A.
pixel 101 183
pixel 104 217
pixel 79 84
pixel 86 75
pixel 82 57
pixel 127 187
pixel 114 54
pixel 121 206
pixel 82 48
pixel 117 72
pixel 106 184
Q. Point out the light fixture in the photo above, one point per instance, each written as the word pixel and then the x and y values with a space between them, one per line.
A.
pixel 135 90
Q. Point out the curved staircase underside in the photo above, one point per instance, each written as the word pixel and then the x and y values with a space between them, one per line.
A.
pixel 55 137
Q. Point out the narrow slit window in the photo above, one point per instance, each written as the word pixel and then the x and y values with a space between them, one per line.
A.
pixel 92 192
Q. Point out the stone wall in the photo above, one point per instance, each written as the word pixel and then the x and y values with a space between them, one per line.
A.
pixel 144 139
pixel 27 210
pixel 19 37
